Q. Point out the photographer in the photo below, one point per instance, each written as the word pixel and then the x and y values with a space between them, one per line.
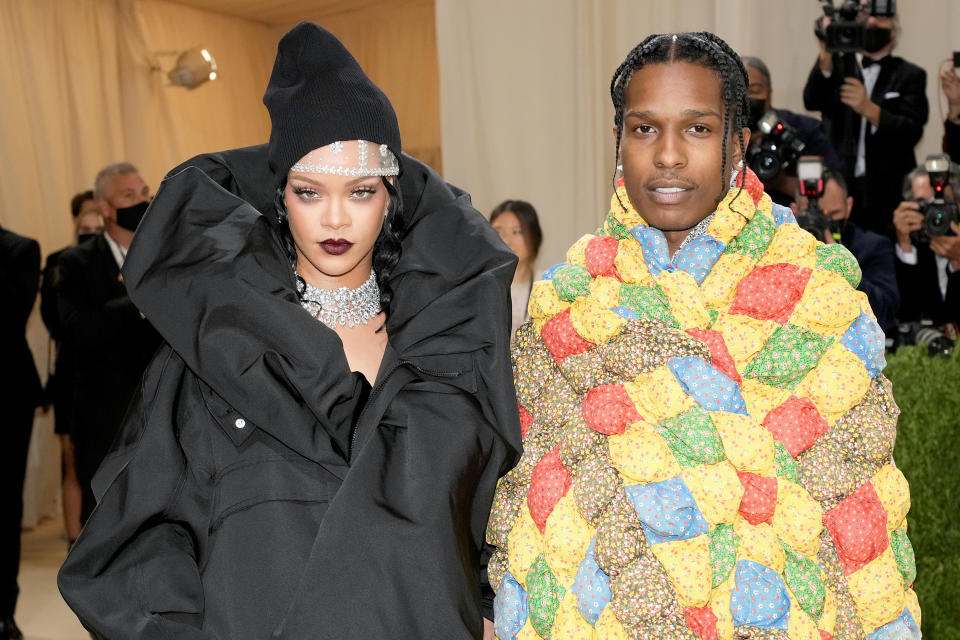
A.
pixel 874 252
pixel 808 130
pixel 928 272
pixel 874 106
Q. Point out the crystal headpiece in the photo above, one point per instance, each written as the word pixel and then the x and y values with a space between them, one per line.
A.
pixel 334 159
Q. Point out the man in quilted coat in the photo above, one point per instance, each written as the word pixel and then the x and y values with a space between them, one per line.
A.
pixel 708 436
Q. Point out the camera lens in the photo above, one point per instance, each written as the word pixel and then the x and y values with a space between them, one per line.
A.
pixel 936 221
pixel 767 165
pixel 848 35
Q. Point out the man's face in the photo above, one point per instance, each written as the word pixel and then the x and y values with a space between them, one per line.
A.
pixel 923 191
pixel 671 145
pixel 758 88
pixel 123 190
pixel 835 205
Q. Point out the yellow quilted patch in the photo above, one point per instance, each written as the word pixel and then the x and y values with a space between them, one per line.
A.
pixel 877 590
pixel 569 624
pixel 608 627
pixel 525 544
pixel 528 632
pixel 720 605
pixel 836 384
pixel 761 398
pixel 641 455
pixel 577 254
pixel 717 490
pixel 606 291
pixel 913 606
pixel 657 395
pixel 544 301
pixel 791 244
pixel 566 539
pixel 720 286
pixel 629 218
pixel 894 492
pixel 687 563
pixel 629 263
pixel 748 444
pixel 828 618
pixel 800 626
pixel 684 298
pixel 828 305
pixel 798 518
pixel 744 336
pixel 593 321
pixel 759 543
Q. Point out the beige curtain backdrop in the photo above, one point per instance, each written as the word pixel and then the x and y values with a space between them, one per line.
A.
pixel 524 87
pixel 83 88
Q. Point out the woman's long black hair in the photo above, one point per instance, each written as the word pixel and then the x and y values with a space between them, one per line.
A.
pixel 386 250
pixel 701 48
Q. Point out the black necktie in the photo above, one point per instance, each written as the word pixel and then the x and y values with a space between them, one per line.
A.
pixel 868 62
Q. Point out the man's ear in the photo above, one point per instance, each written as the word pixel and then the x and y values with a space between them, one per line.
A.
pixel 849 204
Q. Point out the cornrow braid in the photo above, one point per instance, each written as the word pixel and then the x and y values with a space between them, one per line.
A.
pixel 701 48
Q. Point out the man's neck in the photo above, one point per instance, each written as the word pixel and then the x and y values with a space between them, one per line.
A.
pixel 121 236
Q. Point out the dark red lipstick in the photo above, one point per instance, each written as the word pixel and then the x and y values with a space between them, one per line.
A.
pixel 336 247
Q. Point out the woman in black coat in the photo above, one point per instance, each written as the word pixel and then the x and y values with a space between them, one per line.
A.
pixel 278 477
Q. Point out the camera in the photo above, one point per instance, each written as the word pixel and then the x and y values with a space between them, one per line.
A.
pixel 777 152
pixel 938 340
pixel 846 32
pixel 812 219
pixel 939 211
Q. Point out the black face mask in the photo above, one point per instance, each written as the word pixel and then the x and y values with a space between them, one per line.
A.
pixel 129 217
pixel 83 237
pixel 837 228
pixel 758 107
pixel 876 38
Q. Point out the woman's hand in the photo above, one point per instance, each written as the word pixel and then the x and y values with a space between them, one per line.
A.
pixel 488 633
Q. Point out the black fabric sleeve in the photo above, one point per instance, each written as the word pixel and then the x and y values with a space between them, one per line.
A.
pixel 821 93
pixel 133 572
pixel 879 282
pixel 902 119
pixel 48 298
pixel 486 591
pixel 951 140
pixel 19 279
pixel 90 326
pixel 952 301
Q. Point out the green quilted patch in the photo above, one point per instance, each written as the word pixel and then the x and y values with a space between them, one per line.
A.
pixel 614 228
pixel 836 258
pixel 545 593
pixel 755 237
pixel 571 281
pixel 693 438
pixel 723 552
pixel 714 314
pixel 802 575
pixel 787 356
pixel 649 303
pixel 903 552
pixel 786 466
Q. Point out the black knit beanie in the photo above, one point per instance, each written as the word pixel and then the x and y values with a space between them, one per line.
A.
pixel 318 94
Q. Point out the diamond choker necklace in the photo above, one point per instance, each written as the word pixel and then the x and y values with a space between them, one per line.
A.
pixel 343 306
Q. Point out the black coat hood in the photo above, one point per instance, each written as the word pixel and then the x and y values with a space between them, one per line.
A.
pixel 207 268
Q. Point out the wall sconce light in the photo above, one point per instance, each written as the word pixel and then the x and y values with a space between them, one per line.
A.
pixel 194 67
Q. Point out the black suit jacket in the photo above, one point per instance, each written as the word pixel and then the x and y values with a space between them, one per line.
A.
pixel 900 92
pixel 19 279
pixel 876 257
pixel 920 297
pixel 112 345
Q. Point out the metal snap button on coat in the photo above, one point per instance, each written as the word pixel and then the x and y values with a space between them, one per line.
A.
pixel 240 423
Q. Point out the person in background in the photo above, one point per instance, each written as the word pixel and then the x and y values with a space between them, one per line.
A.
pixel 808 130
pixel 928 273
pixel 950 82
pixel 111 341
pixel 87 223
pixel 874 252
pixel 20 393
pixel 519 227
pixel 890 109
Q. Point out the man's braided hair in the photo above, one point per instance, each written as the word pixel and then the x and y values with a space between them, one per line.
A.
pixel 702 48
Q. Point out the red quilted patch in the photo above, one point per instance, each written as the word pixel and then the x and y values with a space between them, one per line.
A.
pixel 719 353
pixel 600 253
pixel 759 497
pixel 608 409
pixel 702 621
pixel 753 185
pixel 525 421
pixel 825 635
pixel 797 424
pixel 561 338
pixel 858 526
pixel 771 292
pixel 549 481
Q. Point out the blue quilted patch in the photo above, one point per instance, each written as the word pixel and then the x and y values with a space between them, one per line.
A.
pixel 591 586
pixel 865 338
pixel 510 608
pixel 759 597
pixel 902 628
pixel 667 510
pixel 711 388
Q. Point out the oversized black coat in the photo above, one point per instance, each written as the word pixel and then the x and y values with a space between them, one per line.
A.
pixel 257 491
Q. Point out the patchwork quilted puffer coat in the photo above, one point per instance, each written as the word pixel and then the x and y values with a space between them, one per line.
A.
pixel 708 442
